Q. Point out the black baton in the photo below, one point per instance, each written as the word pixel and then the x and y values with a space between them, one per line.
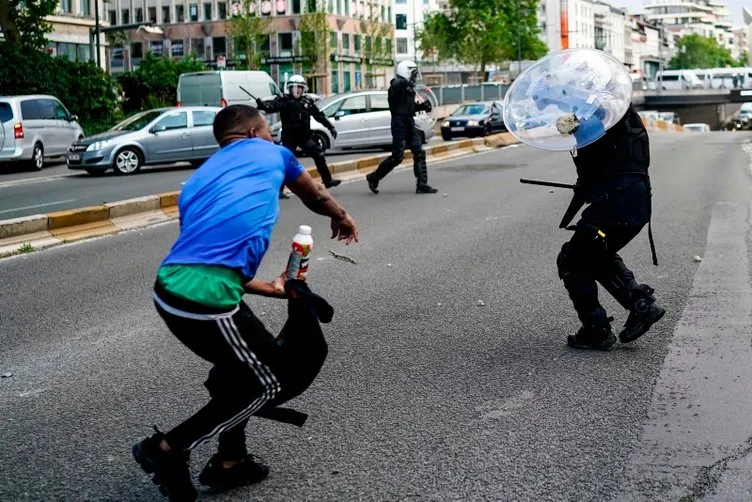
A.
pixel 547 183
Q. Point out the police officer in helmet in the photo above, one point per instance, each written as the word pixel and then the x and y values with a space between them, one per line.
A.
pixel 403 108
pixel 613 178
pixel 296 110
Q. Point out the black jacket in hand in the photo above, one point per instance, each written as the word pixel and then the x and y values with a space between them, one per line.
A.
pixel 402 99
pixel 624 150
pixel 295 114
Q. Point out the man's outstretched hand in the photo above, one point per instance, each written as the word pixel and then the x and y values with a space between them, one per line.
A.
pixel 345 229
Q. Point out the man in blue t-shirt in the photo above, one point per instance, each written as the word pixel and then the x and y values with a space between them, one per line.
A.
pixel 228 210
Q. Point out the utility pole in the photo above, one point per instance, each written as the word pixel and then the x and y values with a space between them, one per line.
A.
pixel 96 31
pixel 519 42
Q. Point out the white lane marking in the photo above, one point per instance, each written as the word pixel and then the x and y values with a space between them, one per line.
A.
pixel 40 179
pixel 37 205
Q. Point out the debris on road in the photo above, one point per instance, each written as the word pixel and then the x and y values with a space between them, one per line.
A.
pixel 480 303
pixel 6 375
pixel 445 195
pixel 551 191
pixel 342 257
pixel 697 258
pixel 388 264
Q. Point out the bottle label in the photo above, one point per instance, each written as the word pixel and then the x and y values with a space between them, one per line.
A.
pixel 297 265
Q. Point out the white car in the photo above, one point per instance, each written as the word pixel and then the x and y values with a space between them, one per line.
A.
pixel 362 120
pixel 697 127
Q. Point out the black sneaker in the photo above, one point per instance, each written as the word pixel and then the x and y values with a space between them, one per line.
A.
pixel 591 339
pixel 639 322
pixel 170 470
pixel 425 189
pixel 247 472
pixel 332 183
pixel 373 184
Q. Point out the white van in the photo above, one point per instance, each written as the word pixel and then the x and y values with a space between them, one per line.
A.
pixel 678 79
pixel 222 88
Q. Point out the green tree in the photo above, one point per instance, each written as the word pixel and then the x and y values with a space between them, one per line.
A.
pixel 249 31
pixel 374 36
pixel 694 51
pixel 483 32
pixel 314 40
pixel 24 22
pixel 84 88
pixel 154 83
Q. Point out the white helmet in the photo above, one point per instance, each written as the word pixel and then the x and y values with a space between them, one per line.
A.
pixel 408 70
pixel 296 86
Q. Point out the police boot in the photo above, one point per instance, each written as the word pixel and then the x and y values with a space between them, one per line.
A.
pixel 425 189
pixel 373 183
pixel 246 471
pixel 643 313
pixel 595 334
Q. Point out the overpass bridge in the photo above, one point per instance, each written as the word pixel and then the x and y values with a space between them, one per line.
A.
pixel 711 106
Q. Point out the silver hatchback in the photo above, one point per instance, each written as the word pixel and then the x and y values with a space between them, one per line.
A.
pixel 362 120
pixel 35 127
pixel 159 136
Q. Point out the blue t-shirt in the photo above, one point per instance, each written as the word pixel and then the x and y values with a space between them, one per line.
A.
pixel 229 206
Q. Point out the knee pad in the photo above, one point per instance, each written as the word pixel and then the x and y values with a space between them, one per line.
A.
pixel 564 262
pixel 398 158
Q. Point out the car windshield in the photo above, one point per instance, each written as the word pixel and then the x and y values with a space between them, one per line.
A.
pixel 138 121
pixel 471 110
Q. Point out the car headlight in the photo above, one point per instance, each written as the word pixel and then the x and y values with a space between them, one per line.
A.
pixel 472 123
pixel 98 145
pixel 445 123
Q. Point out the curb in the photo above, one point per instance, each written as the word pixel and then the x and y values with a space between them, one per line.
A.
pixel 29 233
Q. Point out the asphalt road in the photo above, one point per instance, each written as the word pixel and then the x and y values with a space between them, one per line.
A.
pixel 56 187
pixel 427 394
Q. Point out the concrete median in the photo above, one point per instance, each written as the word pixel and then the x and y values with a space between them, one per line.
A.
pixel 21 235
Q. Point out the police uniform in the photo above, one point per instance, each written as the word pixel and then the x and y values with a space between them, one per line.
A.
pixel 613 179
pixel 296 114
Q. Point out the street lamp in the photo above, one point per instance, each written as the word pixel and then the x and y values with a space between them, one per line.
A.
pixel 148 27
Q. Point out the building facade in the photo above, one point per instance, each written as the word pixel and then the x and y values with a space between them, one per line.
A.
pixel 360 35
pixel 706 18
pixel 72 24
pixel 409 16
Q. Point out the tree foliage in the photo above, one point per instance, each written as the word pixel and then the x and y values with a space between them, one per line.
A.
pixel 314 37
pixel 24 21
pixel 695 51
pixel 483 32
pixel 154 83
pixel 83 88
pixel 249 31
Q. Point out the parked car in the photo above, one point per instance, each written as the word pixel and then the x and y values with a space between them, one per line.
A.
pixel 362 120
pixel 697 127
pixel 160 136
pixel 476 119
pixel 35 127
pixel 669 117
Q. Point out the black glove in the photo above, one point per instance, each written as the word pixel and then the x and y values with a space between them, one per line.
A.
pixel 427 106
pixel 334 132
pixel 260 104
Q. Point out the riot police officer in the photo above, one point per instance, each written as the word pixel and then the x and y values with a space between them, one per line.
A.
pixel 612 177
pixel 403 107
pixel 296 110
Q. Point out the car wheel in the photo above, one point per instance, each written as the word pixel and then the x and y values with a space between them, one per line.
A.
pixel 446 136
pixel 487 130
pixel 37 158
pixel 321 141
pixel 127 161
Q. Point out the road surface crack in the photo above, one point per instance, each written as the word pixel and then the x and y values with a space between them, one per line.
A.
pixel 708 477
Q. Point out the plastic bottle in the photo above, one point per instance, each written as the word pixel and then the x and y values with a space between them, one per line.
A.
pixel 302 246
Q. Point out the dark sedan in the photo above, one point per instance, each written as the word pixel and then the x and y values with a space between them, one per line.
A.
pixel 476 119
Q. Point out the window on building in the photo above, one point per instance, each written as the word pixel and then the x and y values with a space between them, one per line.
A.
pixel 400 1
pixel 220 46
pixel 197 47
pixel 153 14
pixel 193 12
pixel 346 42
pixel 156 47
pixel 356 43
pixel 330 6
pixel 177 48
pixel 333 40
pixel 139 15
pixel 179 13
pixel 401 21
pixel 339 7
pixel 368 44
pixel 383 14
pixel 335 82
pixel 86 7
pixel 66 6
pixel 389 13
pixel 347 7
pixel 285 44
pixel 166 14
pixel 125 16
pixel 208 12
pixel 310 5
pixel 137 50
pixel 84 52
pixel 222 7
pixel 296 6
pixel 112 17
pixel 388 42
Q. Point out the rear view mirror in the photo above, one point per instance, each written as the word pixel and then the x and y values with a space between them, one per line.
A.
pixel 157 128
pixel 73 118
pixel 339 114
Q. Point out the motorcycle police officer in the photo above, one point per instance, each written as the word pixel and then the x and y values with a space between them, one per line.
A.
pixel 403 107
pixel 296 110
pixel 612 177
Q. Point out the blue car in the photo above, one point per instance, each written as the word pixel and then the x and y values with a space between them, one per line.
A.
pixel 476 119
